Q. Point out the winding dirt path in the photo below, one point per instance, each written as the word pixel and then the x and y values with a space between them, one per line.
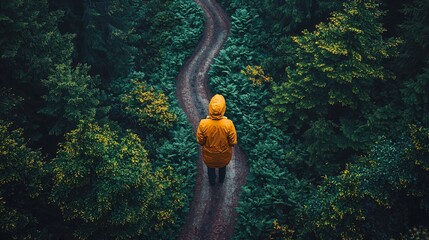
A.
pixel 212 212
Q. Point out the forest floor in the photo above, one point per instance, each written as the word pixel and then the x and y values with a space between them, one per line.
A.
pixel 212 212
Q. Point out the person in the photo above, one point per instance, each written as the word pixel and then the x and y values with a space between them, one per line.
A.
pixel 216 134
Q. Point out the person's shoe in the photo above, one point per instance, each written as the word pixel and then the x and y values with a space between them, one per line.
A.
pixel 212 183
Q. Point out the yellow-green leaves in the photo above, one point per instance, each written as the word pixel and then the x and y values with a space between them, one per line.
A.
pixel 339 63
pixel 21 173
pixel 104 181
pixel 256 75
pixel 419 152
pixel 147 107
pixel 72 96
pixel 388 180
pixel 335 78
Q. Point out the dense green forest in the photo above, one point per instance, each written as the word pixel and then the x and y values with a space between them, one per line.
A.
pixel 334 116
pixel 330 101
pixel 93 142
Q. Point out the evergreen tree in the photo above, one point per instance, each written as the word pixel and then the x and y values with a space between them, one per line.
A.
pixel 30 47
pixel 415 32
pixel 8 104
pixel 290 16
pixel 147 108
pixel 414 62
pixel 138 106
pixel 156 31
pixel 45 90
pixel 31 44
pixel 415 95
pixel 280 20
pixel 21 173
pixel 390 181
pixel 332 86
pixel 72 96
pixel 105 184
pixel 106 34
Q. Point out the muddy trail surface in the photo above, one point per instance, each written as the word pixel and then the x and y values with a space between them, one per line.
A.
pixel 212 212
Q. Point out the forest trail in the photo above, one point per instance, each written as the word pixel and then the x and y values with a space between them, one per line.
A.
pixel 212 212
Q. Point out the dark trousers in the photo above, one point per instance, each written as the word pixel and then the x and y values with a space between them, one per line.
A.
pixel 212 174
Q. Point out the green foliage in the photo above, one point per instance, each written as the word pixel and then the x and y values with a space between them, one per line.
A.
pixel 8 103
pixel 243 99
pixel 256 75
pixel 147 198
pixel 338 64
pixel 415 233
pixel 21 172
pixel 72 96
pixel 271 188
pixel 280 19
pixel 179 25
pixel 415 95
pixel 109 35
pixel 149 109
pixel 172 30
pixel 30 41
pixel 273 193
pixel 139 106
pixel 338 97
pixel 155 208
pixel 389 181
pixel 180 152
pixel 419 153
pixel 105 183
pixel 30 47
pixel 182 24
pixel 288 16
pixel 358 200
pixel 330 91
pixel 414 31
pixel 331 125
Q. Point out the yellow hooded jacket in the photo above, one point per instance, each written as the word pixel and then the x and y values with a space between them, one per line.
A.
pixel 216 134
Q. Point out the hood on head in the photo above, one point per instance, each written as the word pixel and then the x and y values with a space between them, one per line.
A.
pixel 217 107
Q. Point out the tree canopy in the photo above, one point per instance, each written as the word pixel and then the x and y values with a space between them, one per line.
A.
pixel 330 136
pixel 92 145
pixel 330 100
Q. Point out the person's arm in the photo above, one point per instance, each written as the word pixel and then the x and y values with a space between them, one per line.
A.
pixel 201 137
pixel 232 135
